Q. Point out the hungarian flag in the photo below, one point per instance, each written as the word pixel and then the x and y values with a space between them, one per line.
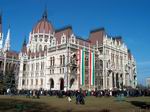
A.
pixel 82 66
pixel 91 68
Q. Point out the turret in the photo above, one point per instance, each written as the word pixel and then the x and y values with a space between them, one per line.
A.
pixel 7 41
pixel 1 34
pixel 24 48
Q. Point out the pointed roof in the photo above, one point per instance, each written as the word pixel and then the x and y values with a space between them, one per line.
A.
pixel 24 48
pixel 0 22
pixel 7 41
pixel 24 42
pixel 45 15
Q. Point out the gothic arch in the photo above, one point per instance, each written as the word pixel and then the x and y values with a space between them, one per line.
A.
pixel 45 48
pixel 40 47
pixel 61 80
pixel 51 81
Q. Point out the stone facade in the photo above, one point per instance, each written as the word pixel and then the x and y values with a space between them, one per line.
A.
pixel 49 60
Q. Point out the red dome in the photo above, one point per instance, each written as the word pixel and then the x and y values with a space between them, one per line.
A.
pixel 43 26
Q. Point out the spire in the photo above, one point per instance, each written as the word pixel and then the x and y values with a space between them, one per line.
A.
pixel 1 22
pixel 1 34
pixel 24 42
pixel 44 16
pixel 7 41
pixel 24 48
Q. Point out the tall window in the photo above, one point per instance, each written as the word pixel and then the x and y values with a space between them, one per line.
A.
pixel 31 81
pixel 112 57
pixel 41 81
pixel 23 82
pixel 32 67
pixel 27 82
pixel 60 59
pixel 40 48
pixel 53 61
pixel 63 60
pixel 36 81
pixel 24 67
pixel 50 71
pixel 45 48
pixel 42 65
pixel 37 66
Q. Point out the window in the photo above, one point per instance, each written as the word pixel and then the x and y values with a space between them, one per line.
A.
pixel 23 82
pixel 50 71
pixel 60 60
pixel 41 36
pixel 112 57
pixel 37 66
pixel 36 81
pixel 35 38
pixel 40 48
pixel 45 48
pixel 63 60
pixel 46 38
pixel 32 67
pixel 41 81
pixel 60 70
pixel 42 65
pixel 31 81
pixel 27 82
pixel 53 61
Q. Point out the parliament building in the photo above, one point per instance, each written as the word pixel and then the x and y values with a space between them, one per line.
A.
pixel 58 59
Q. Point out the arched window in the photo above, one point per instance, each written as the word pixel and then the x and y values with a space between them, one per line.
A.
pixel 23 82
pixel 53 60
pixel 36 81
pixel 51 83
pixel 31 81
pixel 41 81
pixel 36 48
pixel 45 48
pixel 53 42
pixel 63 60
pixel 40 47
pixel 60 59
pixel 63 39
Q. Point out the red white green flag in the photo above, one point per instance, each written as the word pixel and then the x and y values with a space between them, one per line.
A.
pixel 82 66
pixel 91 68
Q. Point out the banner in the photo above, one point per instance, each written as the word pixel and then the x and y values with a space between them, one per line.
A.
pixel 91 68
pixel 82 66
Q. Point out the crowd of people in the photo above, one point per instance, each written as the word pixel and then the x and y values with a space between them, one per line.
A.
pixel 80 95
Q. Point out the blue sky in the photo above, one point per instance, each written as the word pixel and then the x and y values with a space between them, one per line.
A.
pixel 128 18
